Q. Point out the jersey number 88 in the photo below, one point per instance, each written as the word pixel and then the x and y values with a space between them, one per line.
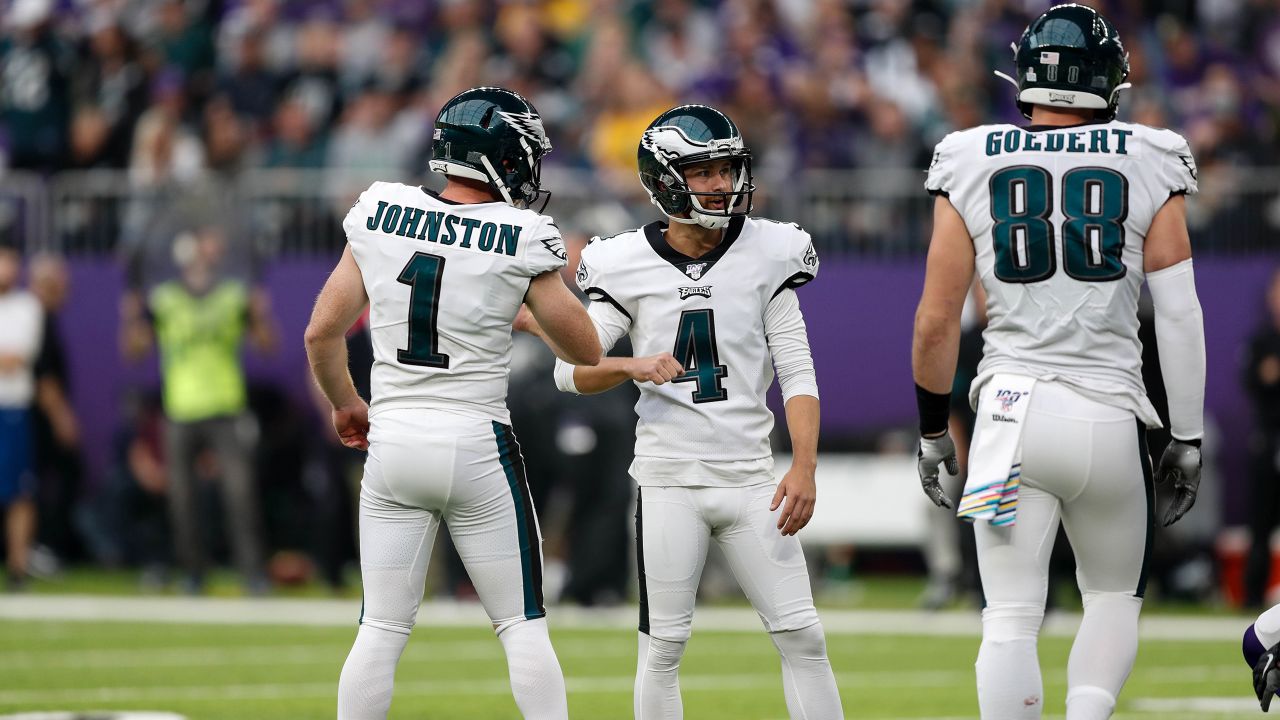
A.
pixel 1095 204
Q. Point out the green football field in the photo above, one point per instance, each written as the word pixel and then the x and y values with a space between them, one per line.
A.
pixel 271 670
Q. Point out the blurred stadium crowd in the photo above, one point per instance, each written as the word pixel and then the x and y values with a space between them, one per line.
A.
pixel 154 96
pixel 171 89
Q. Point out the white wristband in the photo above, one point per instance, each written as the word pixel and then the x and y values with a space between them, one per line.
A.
pixel 564 377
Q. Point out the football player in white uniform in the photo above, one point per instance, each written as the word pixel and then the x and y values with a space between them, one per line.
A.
pixel 445 275
pixel 1063 220
pixel 709 302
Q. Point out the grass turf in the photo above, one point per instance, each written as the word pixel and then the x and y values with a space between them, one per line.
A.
pixel 221 672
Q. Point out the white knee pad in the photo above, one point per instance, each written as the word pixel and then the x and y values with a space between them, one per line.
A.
pixel 662 655
pixel 537 684
pixel 389 625
pixel 657 688
pixel 1002 622
pixel 1119 602
pixel 807 680
pixel 502 626
pixel 804 644
pixel 368 676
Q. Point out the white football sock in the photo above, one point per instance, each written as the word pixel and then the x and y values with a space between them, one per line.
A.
pixel 807 680
pixel 536 680
pixel 1009 684
pixel 1103 654
pixel 657 691
pixel 368 676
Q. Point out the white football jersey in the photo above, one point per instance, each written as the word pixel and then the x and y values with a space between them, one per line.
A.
pixel 1058 218
pixel 445 281
pixel 709 313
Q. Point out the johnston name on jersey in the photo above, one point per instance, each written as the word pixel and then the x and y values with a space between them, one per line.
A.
pixel 1058 218
pixel 709 313
pixel 445 281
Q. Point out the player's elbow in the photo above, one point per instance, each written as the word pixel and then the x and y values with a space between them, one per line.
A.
pixel 587 352
pixel 933 327
pixel 316 335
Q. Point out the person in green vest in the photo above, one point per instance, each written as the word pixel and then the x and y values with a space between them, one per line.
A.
pixel 199 322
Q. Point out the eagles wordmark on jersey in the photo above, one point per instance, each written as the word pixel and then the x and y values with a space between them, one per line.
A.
pixel 709 313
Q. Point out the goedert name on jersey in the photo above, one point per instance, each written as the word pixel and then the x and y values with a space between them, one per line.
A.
pixel 1059 217
pixel 445 281
pixel 709 313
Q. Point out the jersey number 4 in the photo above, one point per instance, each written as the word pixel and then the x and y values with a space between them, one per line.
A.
pixel 1095 204
pixel 697 354
pixel 423 274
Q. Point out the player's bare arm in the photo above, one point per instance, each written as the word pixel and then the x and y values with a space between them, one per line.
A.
pixel 338 307
pixel 1168 242
pixel 798 487
pixel 948 274
pixel 561 321
pixel 1180 335
pixel 936 341
pixel 614 371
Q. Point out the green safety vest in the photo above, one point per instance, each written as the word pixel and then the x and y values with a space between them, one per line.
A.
pixel 199 338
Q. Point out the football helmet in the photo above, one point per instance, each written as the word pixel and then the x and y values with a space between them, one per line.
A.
pixel 493 135
pixel 1071 56
pixel 683 136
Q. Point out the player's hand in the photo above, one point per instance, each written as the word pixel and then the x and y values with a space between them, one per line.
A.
pixel 1180 465
pixel 352 424
pixel 1266 677
pixel 801 494
pixel 526 322
pixel 935 450
pixel 657 369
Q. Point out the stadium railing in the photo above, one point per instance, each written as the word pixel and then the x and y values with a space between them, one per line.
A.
pixel 859 213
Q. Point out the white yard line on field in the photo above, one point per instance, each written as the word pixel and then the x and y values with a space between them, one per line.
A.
pixel 338 613
pixel 1243 703
pixel 426 651
pixel 690 682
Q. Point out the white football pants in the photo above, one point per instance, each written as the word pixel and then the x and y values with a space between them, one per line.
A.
pixel 1086 464
pixel 674 527
pixel 425 468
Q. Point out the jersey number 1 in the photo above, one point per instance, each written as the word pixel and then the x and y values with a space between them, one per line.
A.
pixel 423 274
pixel 697 354
pixel 1095 203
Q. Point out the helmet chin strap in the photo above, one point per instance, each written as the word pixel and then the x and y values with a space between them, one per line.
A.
pixel 1006 77
pixel 710 222
pixel 497 180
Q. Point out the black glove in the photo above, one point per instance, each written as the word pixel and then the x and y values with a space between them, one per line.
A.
pixel 1266 677
pixel 932 451
pixel 1180 465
